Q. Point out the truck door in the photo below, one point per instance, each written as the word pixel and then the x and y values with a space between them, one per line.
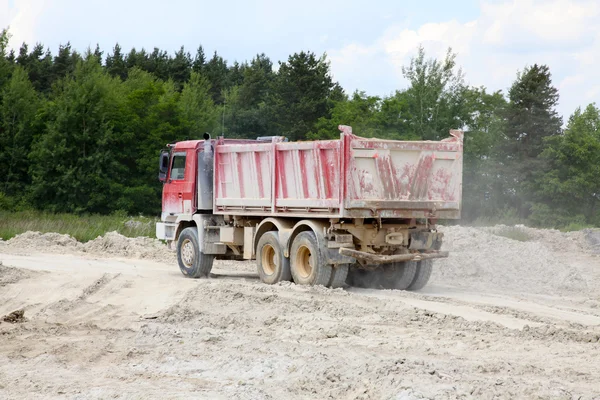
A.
pixel 178 192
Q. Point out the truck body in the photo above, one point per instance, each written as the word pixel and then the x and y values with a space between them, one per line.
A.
pixel 326 209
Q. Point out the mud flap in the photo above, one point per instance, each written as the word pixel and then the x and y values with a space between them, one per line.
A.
pixel 426 240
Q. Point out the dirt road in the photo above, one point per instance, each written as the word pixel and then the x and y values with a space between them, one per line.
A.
pixel 115 319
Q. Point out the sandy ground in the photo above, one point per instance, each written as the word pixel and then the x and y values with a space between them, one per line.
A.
pixel 114 318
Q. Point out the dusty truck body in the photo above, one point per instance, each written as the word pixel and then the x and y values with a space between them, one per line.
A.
pixel 354 210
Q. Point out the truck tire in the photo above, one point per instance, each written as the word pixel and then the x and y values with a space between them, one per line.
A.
pixel 361 278
pixel 307 261
pixel 424 268
pixel 399 275
pixel 192 262
pixel 338 276
pixel 271 264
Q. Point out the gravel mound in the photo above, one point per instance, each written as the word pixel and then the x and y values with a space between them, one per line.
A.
pixel 111 244
pixel 10 275
pixel 43 241
pixel 544 264
pixel 593 238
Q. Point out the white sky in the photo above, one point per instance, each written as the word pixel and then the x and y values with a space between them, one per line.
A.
pixel 366 42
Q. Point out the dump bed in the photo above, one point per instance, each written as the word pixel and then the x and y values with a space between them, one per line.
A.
pixel 352 177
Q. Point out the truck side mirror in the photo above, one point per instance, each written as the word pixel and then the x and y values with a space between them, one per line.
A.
pixel 163 166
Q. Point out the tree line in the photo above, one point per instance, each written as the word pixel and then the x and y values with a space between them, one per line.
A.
pixel 81 133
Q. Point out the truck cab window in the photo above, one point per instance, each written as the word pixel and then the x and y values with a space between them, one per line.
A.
pixel 178 167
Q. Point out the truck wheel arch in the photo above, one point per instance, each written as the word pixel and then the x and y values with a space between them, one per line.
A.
pixel 282 226
pixel 317 227
pixel 181 226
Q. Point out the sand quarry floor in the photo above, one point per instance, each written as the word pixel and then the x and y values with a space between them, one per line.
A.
pixel 114 318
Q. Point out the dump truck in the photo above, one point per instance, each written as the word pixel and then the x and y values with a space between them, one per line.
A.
pixel 358 211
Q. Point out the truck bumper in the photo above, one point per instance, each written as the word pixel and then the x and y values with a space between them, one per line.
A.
pixel 165 231
pixel 382 259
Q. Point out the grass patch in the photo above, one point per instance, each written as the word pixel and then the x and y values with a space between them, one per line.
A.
pixel 514 233
pixel 576 226
pixel 81 227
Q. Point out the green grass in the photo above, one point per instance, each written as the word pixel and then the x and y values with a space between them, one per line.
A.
pixel 514 233
pixel 81 227
pixel 576 226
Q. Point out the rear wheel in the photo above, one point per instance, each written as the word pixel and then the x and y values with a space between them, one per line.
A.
pixel 364 278
pixel 339 274
pixel 272 266
pixel 192 262
pixel 424 269
pixel 398 275
pixel 307 261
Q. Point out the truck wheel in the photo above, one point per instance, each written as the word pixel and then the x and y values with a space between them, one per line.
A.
pixel 399 275
pixel 338 276
pixel 361 278
pixel 272 265
pixel 424 268
pixel 307 261
pixel 192 262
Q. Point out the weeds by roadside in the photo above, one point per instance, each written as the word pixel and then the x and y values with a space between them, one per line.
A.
pixel 514 233
pixel 81 227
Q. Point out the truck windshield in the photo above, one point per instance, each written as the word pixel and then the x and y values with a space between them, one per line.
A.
pixel 178 167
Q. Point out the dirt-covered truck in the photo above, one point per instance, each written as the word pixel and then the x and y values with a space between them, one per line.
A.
pixel 326 212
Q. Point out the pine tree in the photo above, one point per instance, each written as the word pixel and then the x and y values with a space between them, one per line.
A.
pixel 199 61
pixel 159 64
pixel 217 73
pixel 98 54
pixel 137 59
pixel 180 67
pixel 300 95
pixel 531 113
pixel 258 77
pixel 5 58
pixel 115 63
pixel 531 118
pixel 64 63
pixel 236 74
pixel 23 57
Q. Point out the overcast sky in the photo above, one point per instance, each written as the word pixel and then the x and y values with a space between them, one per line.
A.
pixel 367 42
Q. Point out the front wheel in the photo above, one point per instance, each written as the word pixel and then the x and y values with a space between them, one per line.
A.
pixel 192 262
pixel 308 262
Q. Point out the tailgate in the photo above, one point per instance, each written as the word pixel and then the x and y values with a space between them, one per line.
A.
pixel 404 179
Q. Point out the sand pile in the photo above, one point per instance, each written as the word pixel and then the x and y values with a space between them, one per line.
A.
pixel 480 258
pixel 111 244
pixel 42 241
pixel 593 238
pixel 551 238
pixel 10 275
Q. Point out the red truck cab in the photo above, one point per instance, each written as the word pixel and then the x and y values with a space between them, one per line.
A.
pixel 178 190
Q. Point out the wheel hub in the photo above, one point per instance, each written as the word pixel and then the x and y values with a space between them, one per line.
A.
pixel 305 261
pixel 187 253
pixel 270 261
